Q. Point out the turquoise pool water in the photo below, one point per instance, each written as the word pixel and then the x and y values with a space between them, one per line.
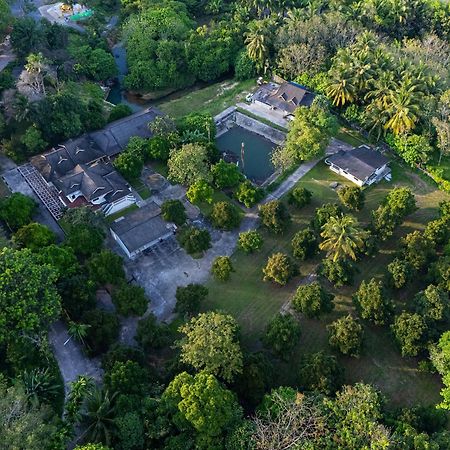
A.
pixel 257 164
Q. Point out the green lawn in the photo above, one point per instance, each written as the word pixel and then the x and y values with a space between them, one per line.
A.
pixel 253 302
pixel 139 186
pixel 212 99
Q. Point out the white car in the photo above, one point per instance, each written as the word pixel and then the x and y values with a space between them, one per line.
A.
pixel 248 98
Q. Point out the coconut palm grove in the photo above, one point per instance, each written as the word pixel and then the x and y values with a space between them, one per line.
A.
pixel 225 225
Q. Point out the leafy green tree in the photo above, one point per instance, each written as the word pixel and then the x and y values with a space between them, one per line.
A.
pixel 432 303
pixel 5 16
pixel 210 344
pixel 33 140
pixel 201 125
pixel 194 240
pixel 304 244
pixel 323 214
pixel 226 175
pixel 94 63
pixel 92 447
pixel 342 238
pixel 400 272
pixel 130 431
pixel 258 40
pixel 225 216
pixel 158 147
pixel 40 385
pixel 438 231
pixel 274 216
pixel 410 332
pixel 85 240
pixel 77 294
pixel 189 164
pixel 310 131
pixel 282 335
pixel 312 300
pixel 129 164
pixel 34 236
pixel 414 149
pixel 279 268
pixel 346 335
pixel 200 192
pixel 84 216
pixel 417 250
pixel 372 301
pixel 61 258
pixel 29 301
pixel 174 211
pixel 352 197
pixel 130 300
pixel 340 272
pixel 150 334
pixel 103 331
pixel 26 36
pixel 320 372
pixel 248 194
pixel 17 210
pixel 299 197
pixel 119 112
pixel 222 268
pixel 106 268
pixel 244 67
pixel 250 241
pixel 127 378
pixel 189 298
pixel 122 353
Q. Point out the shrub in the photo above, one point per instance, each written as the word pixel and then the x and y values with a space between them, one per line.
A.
pixel 322 215
pixel 225 216
pixel 249 241
pixel 194 240
pixel 105 268
pixel 279 268
pixel 346 335
pixel 312 300
pixel 275 216
pixel 173 211
pixel 150 334
pixel 226 175
pixel 304 244
pixel 34 236
pixel 282 335
pixel 189 298
pixel 200 191
pixel 299 197
pixel 248 194
pixel 352 197
pixel 158 148
pixel 338 272
pixel 119 112
pixel 410 332
pixel 103 330
pixel 126 377
pixel 130 300
pixel 222 268
pixel 17 210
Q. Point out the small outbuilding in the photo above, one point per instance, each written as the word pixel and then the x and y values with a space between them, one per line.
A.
pixel 362 165
pixel 141 230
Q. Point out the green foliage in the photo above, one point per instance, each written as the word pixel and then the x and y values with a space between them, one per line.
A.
pixel 417 250
pixel 282 335
pixel 304 244
pixel 320 372
pixel 130 432
pixel 312 300
pixel 299 197
pixel 96 64
pixel 410 332
pixel 189 298
pixel 34 236
pixel 250 241
pixel 194 240
pixel 210 344
pixel 323 214
pixel 5 16
pixel 279 268
pixel 33 140
pixel 346 335
pixel 352 197
pixel 61 258
pixel 29 301
pixel 200 191
pixel 17 210
pixel 222 268
pixel 248 194
pixel 78 295
pixel 196 124
pixel 189 164
pixel 400 272
pixel 244 67
pixel 150 334
pixel 414 149
pixel 105 268
pixel 130 300
pixel 121 353
pixel 127 378
pixel 437 232
pixel 340 272
pixel 119 112
pixel 225 216
pixel 174 211
pixel 433 304
pixel 158 147
pixel 103 330
pixel 226 175
pixel 372 302
pixel 275 216
pixel 84 216
pixel 131 161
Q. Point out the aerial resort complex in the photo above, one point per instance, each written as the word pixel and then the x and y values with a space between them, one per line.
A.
pixel 225 225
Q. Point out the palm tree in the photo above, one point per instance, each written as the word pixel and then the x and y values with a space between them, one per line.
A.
pixel 40 385
pixel 78 331
pixel 257 41
pixel 342 237
pixel 22 108
pixel 341 89
pixel 99 416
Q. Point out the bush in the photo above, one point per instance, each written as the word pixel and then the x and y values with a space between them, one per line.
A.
pixel 410 332
pixel 244 67
pixel 304 244
pixel 34 236
pixel 438 231
pixel 299 197
pixel 151 335
pixel 194 240
pixel 400 273
pixel 282 335
pixel 346 335
pixel 131 161
pixel 106 268
pixel 352 197
pixel 130 300
pixel 222 268
pixel 248 194
pixel 122 353
pixel 189 298
pixel 340 272
pixel 119 112
pixel 17 210
pixel 279 268
pixel 322 215
pixel 225 216
pixel 130 431
pixel 128 378
pixel 275 216
pixel 312 300
pixel 200 191
pixel 103 331
pixel 174 211
pixel 158 148
pixel 250 241
pixel 226 175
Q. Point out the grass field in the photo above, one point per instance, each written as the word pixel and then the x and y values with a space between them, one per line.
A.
pixel 253 302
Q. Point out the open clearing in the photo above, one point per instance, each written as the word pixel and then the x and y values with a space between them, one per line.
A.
pixel 253 302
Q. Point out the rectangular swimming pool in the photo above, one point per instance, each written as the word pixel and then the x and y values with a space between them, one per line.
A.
pixel 257 152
